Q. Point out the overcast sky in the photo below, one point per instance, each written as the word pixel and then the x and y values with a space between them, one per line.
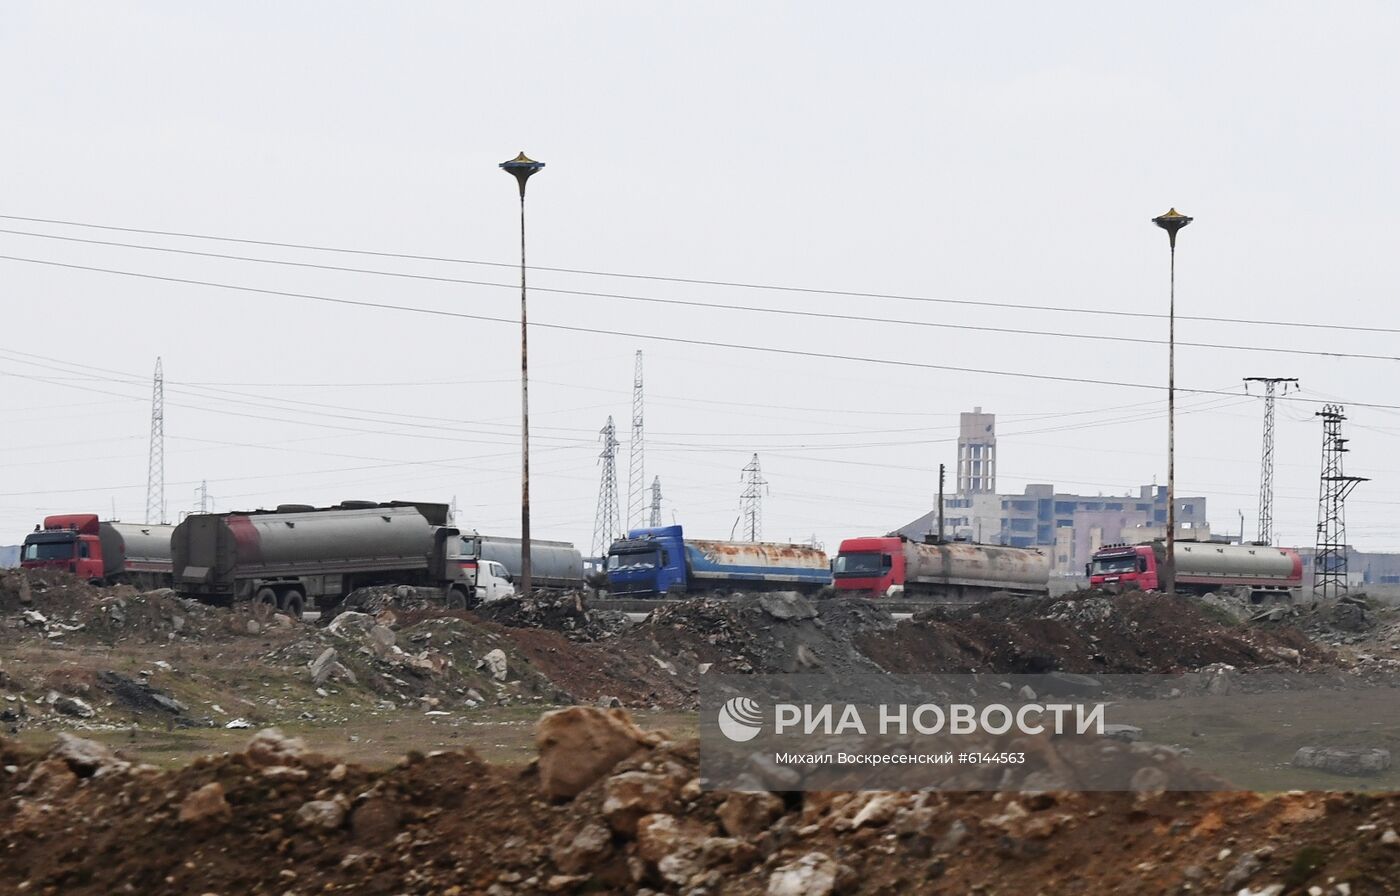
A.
pixel 999 154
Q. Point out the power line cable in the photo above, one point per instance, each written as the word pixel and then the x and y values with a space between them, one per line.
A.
pixel 791 312
pixel 890 362
pixel 666 279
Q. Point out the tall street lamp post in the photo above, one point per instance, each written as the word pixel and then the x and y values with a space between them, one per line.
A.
pixel 1171 222
pixel 522 166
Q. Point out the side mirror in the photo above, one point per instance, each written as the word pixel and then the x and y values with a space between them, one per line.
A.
pixel 1086 570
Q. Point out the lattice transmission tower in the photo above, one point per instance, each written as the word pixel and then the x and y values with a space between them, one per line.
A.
pixel 636 470
pixel 1266 462
pixel 155 466
pixel 607 523
pixel 1330 559
pixel 751 501
pixel 655 502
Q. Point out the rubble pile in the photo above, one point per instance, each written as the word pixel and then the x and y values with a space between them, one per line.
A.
pixel 568 614
pixel 608 808
pixel 775 632
pixel 1085 632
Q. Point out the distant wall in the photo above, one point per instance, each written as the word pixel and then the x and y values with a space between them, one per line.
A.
pixel 9 555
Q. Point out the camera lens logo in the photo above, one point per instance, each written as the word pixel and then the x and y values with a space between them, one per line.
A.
pixel 740 719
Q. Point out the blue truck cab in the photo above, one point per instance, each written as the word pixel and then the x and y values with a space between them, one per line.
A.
pixel 660 561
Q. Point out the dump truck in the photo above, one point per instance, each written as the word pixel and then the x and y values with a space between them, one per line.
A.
pixel 662 562
pixel 939 571
pixel 280 559
pixel 1201 567
pixel 103 552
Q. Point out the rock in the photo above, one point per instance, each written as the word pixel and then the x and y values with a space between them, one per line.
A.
pixel 748 814
pixel 50 779
pixel 239 723
pixel 1343 761
pixel 382 640
pixel 629 796
pixel 672 847
pixel 34 618
pixel 786 605
pixel 84 757
pixel 878 811
pixel 608 703
pixel 1026 693
pixel 72 706
pixel 271 747
pixel 574 852
pixel 351 624
pixel 322 666
pixel 1125 733
pixel 812 875
pixel 206 804
pixel 1247 866
pixel 1390 838
pixel 495 664
pixel 580 744
pixel 321 815
pixel 252 627
pixel 1270 890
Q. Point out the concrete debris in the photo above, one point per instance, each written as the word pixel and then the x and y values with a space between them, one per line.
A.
pixel 207 804
pixel 71 706
pixel 814 874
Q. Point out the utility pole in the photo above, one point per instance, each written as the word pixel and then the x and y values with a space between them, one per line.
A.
pixel 1330 558
pixel 636 472
pixel 656 502
pixel 606 522
pixel 521 167
pixel 752 500
pixel 1171 222
pixel 941 530
pixel 155 465
pixel 1266 463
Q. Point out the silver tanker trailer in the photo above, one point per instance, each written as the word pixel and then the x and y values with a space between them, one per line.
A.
pixel 280 558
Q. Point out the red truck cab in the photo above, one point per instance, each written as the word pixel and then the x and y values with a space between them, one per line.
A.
pixel 69 542
pixel 1124 567
pixel 874 565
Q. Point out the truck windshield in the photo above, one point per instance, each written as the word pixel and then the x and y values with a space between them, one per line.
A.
pixel 633 560
pixel 48 550
pixel 863 564
pixel 1112 566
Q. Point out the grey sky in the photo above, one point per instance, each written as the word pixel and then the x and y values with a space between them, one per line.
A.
pixel 1010 153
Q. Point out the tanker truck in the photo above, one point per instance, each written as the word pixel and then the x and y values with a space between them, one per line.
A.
pixel 939 571
pixel 280 558
pixel 1200 567
pixel 101 552
pixel 661 561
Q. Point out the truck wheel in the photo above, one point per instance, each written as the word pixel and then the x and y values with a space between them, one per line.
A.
pixel 264 604
pixel 293 603
pixel 456 599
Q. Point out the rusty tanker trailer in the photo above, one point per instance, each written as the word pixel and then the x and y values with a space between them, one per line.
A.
pixel 939 571
pixel 281 558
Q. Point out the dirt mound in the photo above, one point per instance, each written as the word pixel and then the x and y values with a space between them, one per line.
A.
pixel 1084 632
pixel 275 819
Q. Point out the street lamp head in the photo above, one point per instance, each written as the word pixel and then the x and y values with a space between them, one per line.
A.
pixel 1171 222
pixel 522 166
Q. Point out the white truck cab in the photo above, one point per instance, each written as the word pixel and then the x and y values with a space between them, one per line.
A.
pixel 493 582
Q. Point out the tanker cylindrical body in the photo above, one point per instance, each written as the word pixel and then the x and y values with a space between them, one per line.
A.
pixel 553 564
pixel 739 562
pixel 134 549
pixel 966 565
pixel 324 552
